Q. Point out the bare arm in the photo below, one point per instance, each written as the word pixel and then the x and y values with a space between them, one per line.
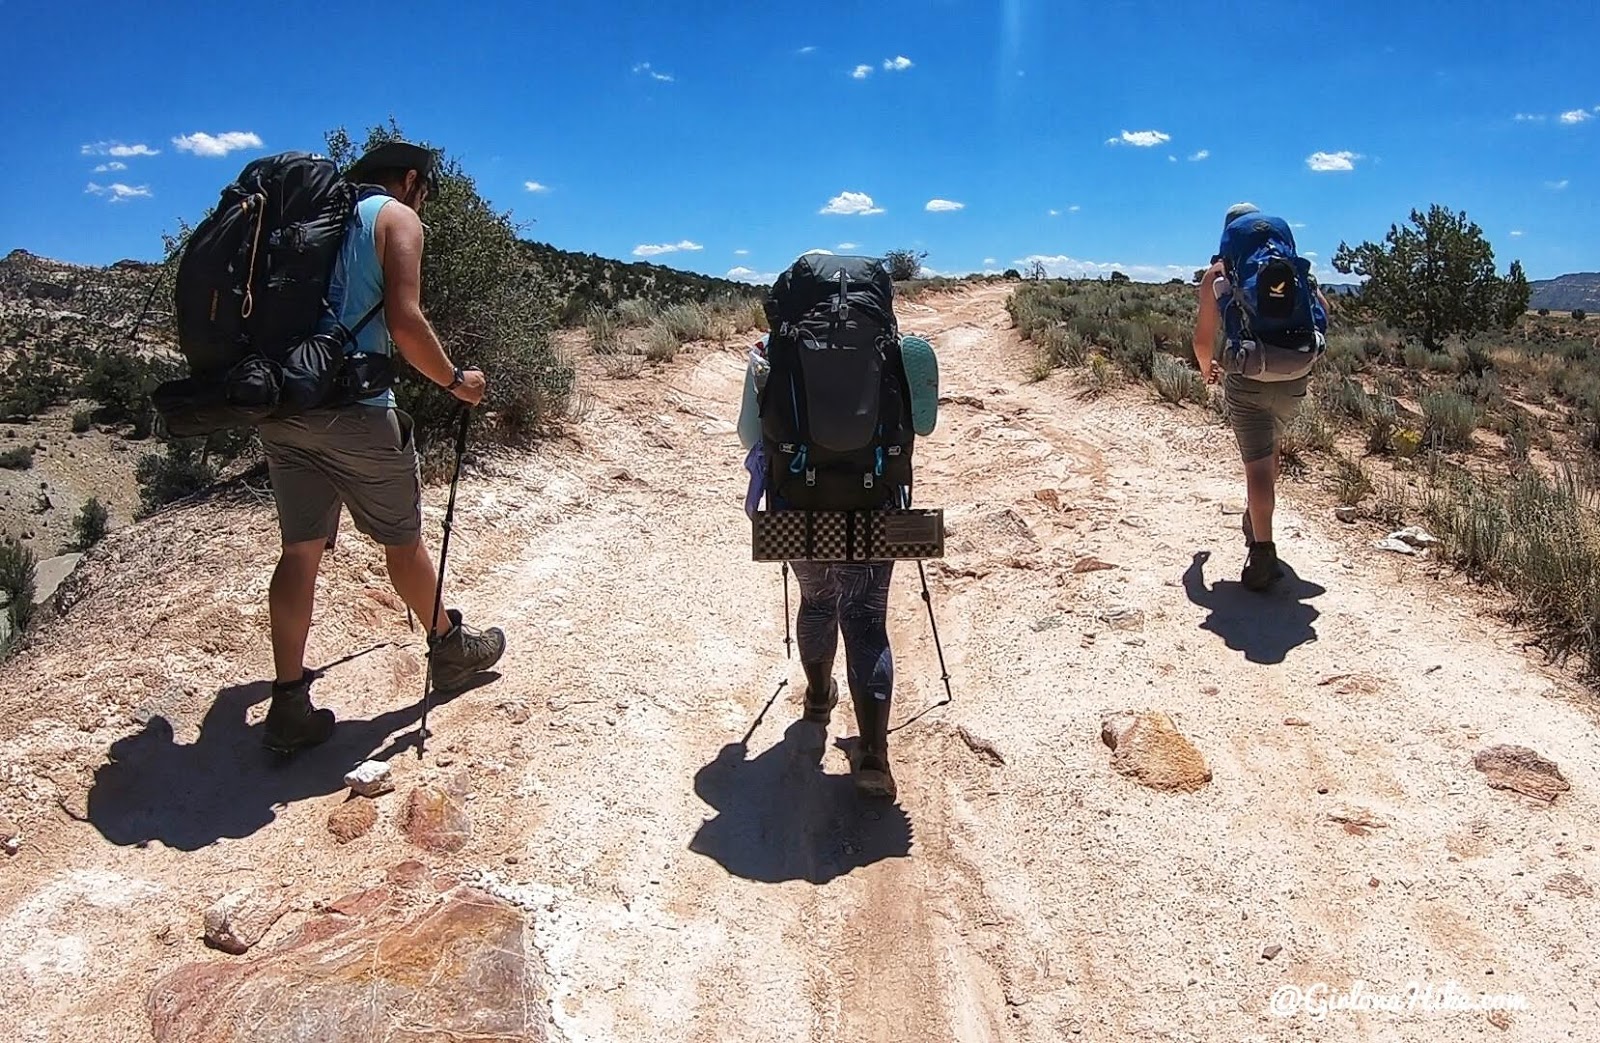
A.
pixel 1205 321
pixel 399 243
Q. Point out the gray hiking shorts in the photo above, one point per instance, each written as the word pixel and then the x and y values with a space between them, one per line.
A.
pixel 1259 410
pixel 362 457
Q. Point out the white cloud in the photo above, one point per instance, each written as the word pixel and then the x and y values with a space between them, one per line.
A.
pixel 1141 138
pixel 108 167
pixel 1171 158
pixel 1204 153
pixel 1060 266
pixel 1074 208
pixel 1325 162
pixel 1575 116
pixel 861 72
pixel 849 246
pixel 851 203
pixel 943 206
pixel 1297 224
pixel 118 192
pixel 645 69
pixel 807 50
pixel 897 64
pixel 203 144
pixel 1053 212
pixel 741 253
pixel 534 186
pixel 988 261
pixel 750 275
pixel 818 250
pixel 116 148
pixel 1516 233
pixel 1528 117
pixel 1556 186
pixel 646 250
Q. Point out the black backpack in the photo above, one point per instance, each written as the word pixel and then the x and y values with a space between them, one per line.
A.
pixel 835 411
pixel 251 289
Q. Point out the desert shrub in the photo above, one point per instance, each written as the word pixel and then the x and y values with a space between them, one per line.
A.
pixel 689 321
pixel 1417 357
pixel 604 331
pixel 1380 425
pixel 1312 428
pixel 1347 398
pixel 1539 538
pixel 33 383
pixel 635 312
pixel 1448 419
pixel 17 458
pixel 1351 483
pixel 904 265
pixel 1578 315
pixel 181 469
pixel 660 342
pixel 1392 503
pixel 90 524
pixel 82 420
pixel 17 581
pixel 1176 382
pixel 1102 376
pixel 1346 353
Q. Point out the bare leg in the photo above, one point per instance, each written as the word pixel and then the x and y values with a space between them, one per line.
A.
pixel 411 572
pixel 289 603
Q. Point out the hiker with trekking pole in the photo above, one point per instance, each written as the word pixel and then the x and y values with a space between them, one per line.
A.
pixel 834 398
pixel 321 321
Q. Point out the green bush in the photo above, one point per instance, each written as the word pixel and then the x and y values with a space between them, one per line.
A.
pixel 1380 425
pixel 1578 315
pixel 82 420
pixel 1351 482
pixel 689 322
pixel 121 384
pixel 904 265
pixel 1176 382
pixel 1417 357
pixel 605 335
pixel 635 312
pixel 17 581
pixel 180 470
pixel 90 525
pixel 1347 398
pixel 1448 419
pixel 17 458
pixel 661 344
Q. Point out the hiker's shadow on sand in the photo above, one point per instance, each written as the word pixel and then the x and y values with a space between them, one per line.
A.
pixel 225 784
pixel 1266 627
pixel 780 817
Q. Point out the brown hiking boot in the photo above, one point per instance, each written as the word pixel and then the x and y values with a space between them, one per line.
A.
pixel 870 768
pixel 1261 569
pixel 292 722
pixel 461 653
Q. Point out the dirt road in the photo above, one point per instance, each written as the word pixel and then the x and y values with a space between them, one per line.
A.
pixel 686 884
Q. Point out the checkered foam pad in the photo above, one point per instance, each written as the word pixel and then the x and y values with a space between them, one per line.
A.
pixel 847 535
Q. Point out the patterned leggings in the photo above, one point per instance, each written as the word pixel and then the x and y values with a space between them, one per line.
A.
pixel 853 599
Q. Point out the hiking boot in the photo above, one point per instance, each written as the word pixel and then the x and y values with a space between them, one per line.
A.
pixel 461 653
pixel 1261 569
pixel 820 710
pixel 873 778
pixel 292 722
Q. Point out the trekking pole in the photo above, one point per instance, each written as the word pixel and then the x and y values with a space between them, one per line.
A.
pixel 438 592
pixel 927 599
pixel 788 642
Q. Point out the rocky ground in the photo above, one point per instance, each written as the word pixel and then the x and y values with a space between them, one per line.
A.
pixel 1155 803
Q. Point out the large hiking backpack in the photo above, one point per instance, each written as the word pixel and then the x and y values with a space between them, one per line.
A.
pixel 251 291
pixel 1272 320
pixel 835 412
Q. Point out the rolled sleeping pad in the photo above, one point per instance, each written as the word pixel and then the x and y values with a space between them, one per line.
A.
pixel 922 377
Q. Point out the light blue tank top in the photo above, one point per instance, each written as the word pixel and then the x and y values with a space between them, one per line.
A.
pixel 357 285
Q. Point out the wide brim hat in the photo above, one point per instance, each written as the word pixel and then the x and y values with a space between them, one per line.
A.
pixel 398 155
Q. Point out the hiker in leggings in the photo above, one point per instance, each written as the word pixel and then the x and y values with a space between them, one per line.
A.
pixel 853 600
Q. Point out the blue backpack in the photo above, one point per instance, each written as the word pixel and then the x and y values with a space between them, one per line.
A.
pixel 1273 321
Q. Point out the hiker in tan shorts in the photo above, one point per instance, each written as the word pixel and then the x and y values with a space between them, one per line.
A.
pixel 1258 410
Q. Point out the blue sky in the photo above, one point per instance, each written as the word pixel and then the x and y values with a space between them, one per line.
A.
pixel 1088 134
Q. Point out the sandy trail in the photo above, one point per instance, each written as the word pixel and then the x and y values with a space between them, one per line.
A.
pixel 686 885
